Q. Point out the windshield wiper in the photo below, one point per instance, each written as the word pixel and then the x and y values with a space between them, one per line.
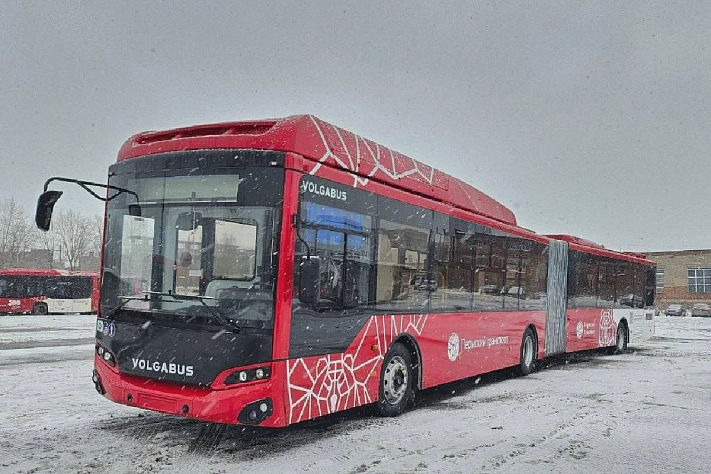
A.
pixel 225 322
pixel 126 299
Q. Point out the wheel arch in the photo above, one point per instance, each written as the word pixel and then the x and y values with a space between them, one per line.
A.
pixel 40 304
pixel 624 323
pixel 534 330
pixel 410 343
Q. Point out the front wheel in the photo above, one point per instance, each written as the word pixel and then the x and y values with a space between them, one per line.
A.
pixel 528 352
pixel 40 309
pixel 395 381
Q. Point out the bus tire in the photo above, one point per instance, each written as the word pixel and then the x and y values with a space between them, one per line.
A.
pixel 529 349
pixel 40 309
pixel 396 376
pixel 621 339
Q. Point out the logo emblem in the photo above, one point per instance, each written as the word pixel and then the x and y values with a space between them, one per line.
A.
pixel 579 330
pixel 453 347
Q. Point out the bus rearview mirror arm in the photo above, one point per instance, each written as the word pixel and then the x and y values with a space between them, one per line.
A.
pixel 308 269
pixel 47 200
pixel 296 223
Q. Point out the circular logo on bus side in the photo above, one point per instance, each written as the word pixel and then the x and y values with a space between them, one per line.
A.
pixel 453 346
pixel 579 330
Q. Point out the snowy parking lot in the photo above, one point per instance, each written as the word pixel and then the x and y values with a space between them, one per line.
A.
pixel 646 411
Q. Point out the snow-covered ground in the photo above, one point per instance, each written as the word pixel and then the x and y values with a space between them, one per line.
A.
pixel 645 411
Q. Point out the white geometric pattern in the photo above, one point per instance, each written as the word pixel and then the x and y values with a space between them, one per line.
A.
pixel 363 159
pixel 607 335
pixel 365 146
pixel 326 384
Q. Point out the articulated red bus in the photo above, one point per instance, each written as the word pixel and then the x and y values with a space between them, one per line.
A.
pixel 270 272
pixel 47 291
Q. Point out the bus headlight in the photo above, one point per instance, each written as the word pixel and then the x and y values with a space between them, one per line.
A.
pixel 248 375
pixel 107 356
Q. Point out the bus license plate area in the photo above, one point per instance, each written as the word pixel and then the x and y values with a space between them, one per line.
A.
pixel 155 402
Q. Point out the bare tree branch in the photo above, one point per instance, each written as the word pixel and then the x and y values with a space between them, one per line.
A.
pixel 74 232
pixel 16 236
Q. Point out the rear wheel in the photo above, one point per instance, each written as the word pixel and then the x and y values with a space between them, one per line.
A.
pixel 529 349
pixel 621 339
pixel 395 381
pixel 40 308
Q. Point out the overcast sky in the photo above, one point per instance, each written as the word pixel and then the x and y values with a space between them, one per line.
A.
pixel 588 118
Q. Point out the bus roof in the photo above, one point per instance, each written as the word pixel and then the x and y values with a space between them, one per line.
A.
pixel 584 245
pixel 43 272
pixel 326 145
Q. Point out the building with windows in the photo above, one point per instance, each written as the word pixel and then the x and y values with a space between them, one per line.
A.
pixel 683 276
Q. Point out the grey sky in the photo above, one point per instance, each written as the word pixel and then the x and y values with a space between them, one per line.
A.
pixel 588 118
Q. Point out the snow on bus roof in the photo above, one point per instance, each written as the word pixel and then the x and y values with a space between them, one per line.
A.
pixel 575 239
pixel 325 145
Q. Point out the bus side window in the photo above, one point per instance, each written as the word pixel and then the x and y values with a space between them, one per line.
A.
pixel 650 286
pixel 606 283
pixel 358 267
pixel 402 280
pixel 534 276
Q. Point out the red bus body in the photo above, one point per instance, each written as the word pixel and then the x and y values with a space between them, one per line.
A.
pixel 447 346
pixel 39 298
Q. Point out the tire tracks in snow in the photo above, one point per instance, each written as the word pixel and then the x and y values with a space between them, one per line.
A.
pixel 559 433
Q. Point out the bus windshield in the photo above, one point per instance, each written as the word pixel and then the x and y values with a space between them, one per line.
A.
pixel 202 247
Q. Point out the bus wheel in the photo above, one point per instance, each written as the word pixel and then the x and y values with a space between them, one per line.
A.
pixel 395 381
pixel 621 340
pixel 528 352
pixel 40 308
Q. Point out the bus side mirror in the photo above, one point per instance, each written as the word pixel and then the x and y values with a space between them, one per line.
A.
pixel 45 207
pixel 134 210
pixel 308 281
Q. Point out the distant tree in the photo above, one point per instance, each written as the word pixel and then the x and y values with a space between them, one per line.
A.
pixel 46 240
pixel 75 236
pixel 65 240
pixel 16 235
pixel 97 226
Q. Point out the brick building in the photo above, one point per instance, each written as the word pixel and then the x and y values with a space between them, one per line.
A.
pixel 683 276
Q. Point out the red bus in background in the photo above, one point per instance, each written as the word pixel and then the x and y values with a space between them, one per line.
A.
pixel 270 272
pixel 48 291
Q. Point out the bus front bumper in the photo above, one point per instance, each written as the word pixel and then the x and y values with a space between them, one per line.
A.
pixel 257 403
